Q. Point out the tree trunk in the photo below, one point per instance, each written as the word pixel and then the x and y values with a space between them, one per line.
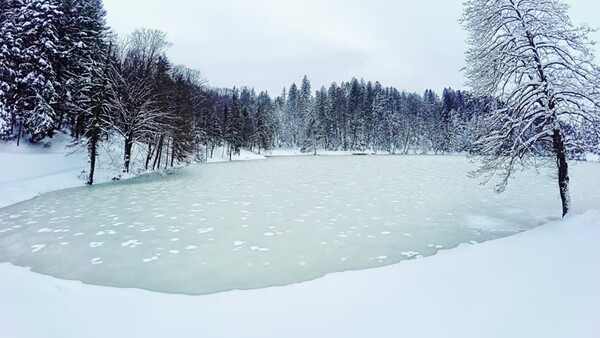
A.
pixel 149 155
pixel 127 155
pixel 93 154
pixel 173 155
pixel 563 171
pixel 20 132
pixel 158 153
pixel 167 153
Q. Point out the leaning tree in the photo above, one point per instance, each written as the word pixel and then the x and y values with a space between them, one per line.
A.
pixel 541 70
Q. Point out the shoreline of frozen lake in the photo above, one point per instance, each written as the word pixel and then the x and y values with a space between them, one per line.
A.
pixel 286 220
pixel 539 283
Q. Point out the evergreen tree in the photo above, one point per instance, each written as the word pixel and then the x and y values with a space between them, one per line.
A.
pixel 96 111
pixel 82 32
pixel 337 112
pixel 234 126
pixel 292 127
pixel 182 124
pixel 265 120
pixel 35 81
pixel 303 111
pixel 10 47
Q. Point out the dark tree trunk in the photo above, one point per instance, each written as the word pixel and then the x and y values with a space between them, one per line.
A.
pixel 563 171
pixel 173 155
pixel 20 132
pixel 167 157
pixel 127 155
pixel 158 154
pixel 149 156
pixel 79 127
pixel 93 153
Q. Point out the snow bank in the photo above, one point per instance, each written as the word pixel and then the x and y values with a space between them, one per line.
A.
pixel 31 170
pixel 296 152
pixel 220 155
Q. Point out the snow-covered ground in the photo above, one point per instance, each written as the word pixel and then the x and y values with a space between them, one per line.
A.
pixel 220 155
pixel 28 171
pixel 297 152
pixel 540 283
pixel 34 170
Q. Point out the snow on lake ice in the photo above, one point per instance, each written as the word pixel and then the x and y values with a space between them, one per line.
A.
pixel 246 225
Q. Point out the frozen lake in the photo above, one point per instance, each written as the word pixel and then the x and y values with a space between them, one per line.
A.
pixel 245 225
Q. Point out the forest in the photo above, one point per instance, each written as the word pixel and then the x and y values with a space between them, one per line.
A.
pixel 62 69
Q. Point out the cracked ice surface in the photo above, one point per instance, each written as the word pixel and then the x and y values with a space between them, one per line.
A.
pixel 246 225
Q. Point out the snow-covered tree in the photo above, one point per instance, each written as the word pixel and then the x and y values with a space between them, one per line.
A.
pixel 265 122
pixel 313 120
pixel 304 110
pixel 291 129
pixel 529 55
pixel 183 123
pixel 94 109
pixel 9 51
pixel 234 124
pixel 136 113
pixel 82 32
pixel 336 111
pixel 34 92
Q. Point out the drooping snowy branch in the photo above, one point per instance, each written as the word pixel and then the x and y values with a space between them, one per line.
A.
pixel 527 54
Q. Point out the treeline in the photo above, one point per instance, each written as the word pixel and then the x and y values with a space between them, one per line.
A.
pixel 353 116
pixel 365 116
pixel 61 69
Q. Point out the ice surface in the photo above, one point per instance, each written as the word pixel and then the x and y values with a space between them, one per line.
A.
pixel 249 225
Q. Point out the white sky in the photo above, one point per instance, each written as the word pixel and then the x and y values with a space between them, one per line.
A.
pixel 268 44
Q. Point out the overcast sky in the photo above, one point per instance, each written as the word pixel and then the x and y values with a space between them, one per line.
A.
pixel 268 44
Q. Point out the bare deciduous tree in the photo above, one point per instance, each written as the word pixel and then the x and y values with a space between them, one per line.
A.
pixel 137 116
pixel 540 67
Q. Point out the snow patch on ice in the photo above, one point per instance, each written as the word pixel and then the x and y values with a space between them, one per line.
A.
pixel 37 247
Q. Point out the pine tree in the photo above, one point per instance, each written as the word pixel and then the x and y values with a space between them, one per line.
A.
pixel 303 111
pixel 96 113
pixel 10 47
pixel 265 130
pixel 83 34
pixel 292 127
pixel 35 80
pixel 234 125
pixel 336 110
